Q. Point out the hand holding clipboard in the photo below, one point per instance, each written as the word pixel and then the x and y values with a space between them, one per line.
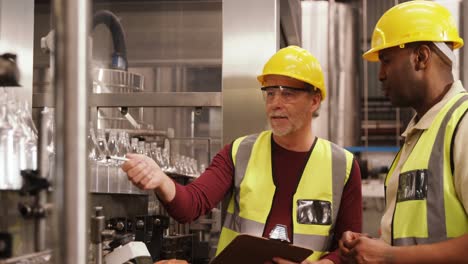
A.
pixel 247 249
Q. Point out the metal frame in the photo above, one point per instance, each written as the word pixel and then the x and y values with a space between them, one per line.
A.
pixel 71 81
pixel 143 99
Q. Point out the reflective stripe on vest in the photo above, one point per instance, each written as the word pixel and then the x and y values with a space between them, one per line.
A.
pixel 249 227
pixel 434 203
pixel 340 169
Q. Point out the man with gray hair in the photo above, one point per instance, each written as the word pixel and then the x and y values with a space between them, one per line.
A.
pixel 285 183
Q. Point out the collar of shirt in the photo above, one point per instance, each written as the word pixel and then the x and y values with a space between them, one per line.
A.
pixel 426 120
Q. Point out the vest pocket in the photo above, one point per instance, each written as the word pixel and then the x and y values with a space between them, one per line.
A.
pixel 313 212
pixel 412 185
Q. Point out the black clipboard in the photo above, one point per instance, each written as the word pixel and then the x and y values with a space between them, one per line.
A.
pixel 247 249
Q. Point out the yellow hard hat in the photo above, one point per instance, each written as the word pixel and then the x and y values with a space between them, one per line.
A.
pixel 411 22
pixel 297 63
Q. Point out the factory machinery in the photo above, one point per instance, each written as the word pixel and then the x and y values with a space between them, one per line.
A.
pixel 57 195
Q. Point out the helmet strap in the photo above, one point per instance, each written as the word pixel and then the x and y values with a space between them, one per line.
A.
pixel 446 50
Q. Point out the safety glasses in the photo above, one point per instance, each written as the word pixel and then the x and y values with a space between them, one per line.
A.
pixel 286 93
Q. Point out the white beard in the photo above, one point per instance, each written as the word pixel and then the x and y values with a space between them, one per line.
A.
pixel 285 130
pixel 281 131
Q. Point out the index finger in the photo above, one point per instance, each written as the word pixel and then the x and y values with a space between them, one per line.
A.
pixel 352 243
pixel 133 160
pixel 343 249
pixel 349 236
pixel 279 260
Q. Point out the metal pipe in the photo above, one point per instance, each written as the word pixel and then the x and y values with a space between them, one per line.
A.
pixel 464 33
pixel 119 57
pixel 71 85
pixel 44 170
pixel 398 112
pixel 140 132
pixel 40 223
pixel 333 96
pixel 97 227
pixel 365 72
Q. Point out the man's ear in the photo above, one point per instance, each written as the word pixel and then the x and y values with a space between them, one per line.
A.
pixel 316 101
pixel 423 55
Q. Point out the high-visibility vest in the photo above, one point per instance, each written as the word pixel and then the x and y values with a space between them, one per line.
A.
pixel 427 208
pixel 315 202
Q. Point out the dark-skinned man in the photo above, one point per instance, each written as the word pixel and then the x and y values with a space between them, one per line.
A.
pixel 426 215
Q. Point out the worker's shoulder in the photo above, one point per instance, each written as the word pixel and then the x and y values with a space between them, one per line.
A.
pixel 333 145
pixel 252 137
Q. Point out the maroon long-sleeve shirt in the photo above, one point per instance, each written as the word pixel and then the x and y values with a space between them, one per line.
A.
pixel 203 194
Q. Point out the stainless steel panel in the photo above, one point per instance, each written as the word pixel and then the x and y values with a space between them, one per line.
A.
pixel 164 32
pixel 182 99
pixel 464 34
pixel 365 71
pixel 329 32
pixel 158 99
pixel 315 39
pixel 71 85
pixel 290 19
pixel 250 38
pixel 347 95
pixel 16 36
pixel 43 100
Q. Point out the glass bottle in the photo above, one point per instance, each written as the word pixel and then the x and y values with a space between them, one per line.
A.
pixel 153 154
pixel 148 149
pixel 159 158
pixel 141 147
pixel 92 145
pixel 122 144
pixel 103 150
pixel 112 143
pixel 134 145
pixel 49 127
pixel 17 155
pixel 31 150
pixel 8 164
pixel 113 165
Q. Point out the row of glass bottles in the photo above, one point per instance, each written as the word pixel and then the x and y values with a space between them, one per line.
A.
pixel 108 177
pixel 18 140
pixel 106 174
